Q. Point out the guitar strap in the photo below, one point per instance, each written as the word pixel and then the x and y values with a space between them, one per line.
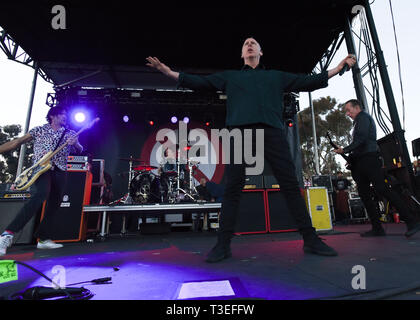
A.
pixel 58 143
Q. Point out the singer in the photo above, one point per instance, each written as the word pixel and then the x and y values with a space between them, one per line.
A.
pixel 255 101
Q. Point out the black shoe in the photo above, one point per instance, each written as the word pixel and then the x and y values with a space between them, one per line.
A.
pixel 373 233
pixel 412 229
pixel 315 245
pixel 219 253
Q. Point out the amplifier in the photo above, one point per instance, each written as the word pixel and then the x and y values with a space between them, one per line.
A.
pixel 77 159
pixel 78 166
pixel 270 182
pixel 6 193
pixel 322 181
pixel 251 216
pixel 254 182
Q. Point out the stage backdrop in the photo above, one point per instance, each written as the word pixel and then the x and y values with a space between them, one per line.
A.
pixel 125 130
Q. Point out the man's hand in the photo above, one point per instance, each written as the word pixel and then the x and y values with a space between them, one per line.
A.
pixel 350 60
pixel 154 62
pixel 339 151
pixel 72 141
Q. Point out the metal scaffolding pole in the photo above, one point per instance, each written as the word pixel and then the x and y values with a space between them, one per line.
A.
pixel 28 119
pixel 316 158
pixel 389 95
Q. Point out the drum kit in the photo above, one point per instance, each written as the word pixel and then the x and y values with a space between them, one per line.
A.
pixel 167 186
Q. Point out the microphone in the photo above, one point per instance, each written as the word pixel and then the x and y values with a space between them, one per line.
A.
pixel 344 69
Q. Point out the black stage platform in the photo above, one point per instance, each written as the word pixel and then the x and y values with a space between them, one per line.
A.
pixel 265 267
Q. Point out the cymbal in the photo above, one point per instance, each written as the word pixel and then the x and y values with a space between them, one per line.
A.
pixel 131 159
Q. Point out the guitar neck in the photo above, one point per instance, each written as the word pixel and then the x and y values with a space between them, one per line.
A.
pixel 66 143
pixel 336 147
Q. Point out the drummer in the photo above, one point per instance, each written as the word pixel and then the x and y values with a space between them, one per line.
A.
pixel 169 162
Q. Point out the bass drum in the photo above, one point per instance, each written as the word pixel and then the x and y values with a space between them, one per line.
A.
pixel 145 188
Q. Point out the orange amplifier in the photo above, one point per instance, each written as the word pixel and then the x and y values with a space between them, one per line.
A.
pixel 78 166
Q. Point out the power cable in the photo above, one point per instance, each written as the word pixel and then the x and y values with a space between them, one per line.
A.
pixel 399 63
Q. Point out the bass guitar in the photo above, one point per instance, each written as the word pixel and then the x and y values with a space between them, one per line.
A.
pixel 30 175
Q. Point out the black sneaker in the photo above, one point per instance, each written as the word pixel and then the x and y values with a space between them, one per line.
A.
pixel 219 253
pixel 373 233
pixel 315 245
pixel 411 230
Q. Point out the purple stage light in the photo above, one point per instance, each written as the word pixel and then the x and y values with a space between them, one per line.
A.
pixel 80 117
pixel 125 119
pixel 186 119
pixel 174 119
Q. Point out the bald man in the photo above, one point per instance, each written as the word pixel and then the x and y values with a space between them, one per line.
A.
pixel 255 101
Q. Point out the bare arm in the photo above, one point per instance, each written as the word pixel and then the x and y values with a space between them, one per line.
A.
pixel 350 60
pixel 156 64
pixel 15 143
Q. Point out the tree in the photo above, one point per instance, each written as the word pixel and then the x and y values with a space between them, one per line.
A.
pixel 329 116
pixel 9 160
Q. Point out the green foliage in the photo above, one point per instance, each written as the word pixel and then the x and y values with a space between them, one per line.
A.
pixel 329 116
pixel 9 160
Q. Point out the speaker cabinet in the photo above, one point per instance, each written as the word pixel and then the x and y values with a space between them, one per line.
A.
pixel 8 211
pixel 279 218
pixel 254 182
pixel 69 224
pixel 251 214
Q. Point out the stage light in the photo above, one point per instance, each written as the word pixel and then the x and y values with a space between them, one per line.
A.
pixel 174 119
pixel 151 122
pixel 208 119
pixel 126 119
pixel 289 123
pixel 186 120
pixel 80 117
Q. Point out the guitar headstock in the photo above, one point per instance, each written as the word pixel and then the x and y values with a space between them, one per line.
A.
pixel 90 125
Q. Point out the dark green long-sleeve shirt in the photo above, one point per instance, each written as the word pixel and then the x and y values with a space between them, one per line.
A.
pixel 254 95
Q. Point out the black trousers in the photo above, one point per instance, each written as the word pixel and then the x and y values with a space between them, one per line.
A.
pixel 366 170
pixel 277 154
pixel 49 186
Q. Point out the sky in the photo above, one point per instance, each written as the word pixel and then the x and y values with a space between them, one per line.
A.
pixel 16 79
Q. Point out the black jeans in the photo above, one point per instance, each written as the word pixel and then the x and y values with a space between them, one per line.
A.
pixel 49 186
pixel 277 154
pixel 366 170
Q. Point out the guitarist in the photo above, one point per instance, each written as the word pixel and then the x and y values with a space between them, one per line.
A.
pixel 50 185
pixel 366 168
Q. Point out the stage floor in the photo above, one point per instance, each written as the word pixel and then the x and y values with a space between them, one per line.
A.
pixel 268 266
